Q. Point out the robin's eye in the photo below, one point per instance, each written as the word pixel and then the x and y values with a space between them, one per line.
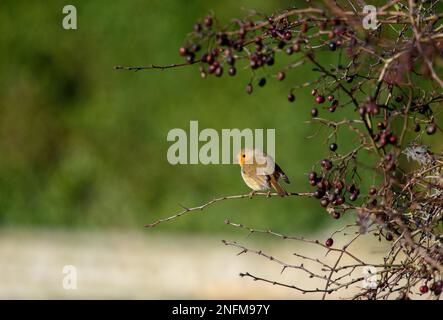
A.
pixel 243 155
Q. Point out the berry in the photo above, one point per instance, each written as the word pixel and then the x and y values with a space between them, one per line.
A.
pixel 314 92
pixel 332 46
pixel 333 146
pixel 389 236
pixel 289 51
pixel 183 51
pixel 326 164
pixel 195 47
pixel 319 193
pixel 336 215
pixel 291 97
pixel 353 196
pixel 232 71
pixel 230 60
pixel 330 97
pixel 262 82
pixel 424 289
pixel 249 88
pixel 417 128
pixel 372 191
pixel 340 200
pixel 392 139
pixel 399 98
pixel 190 58
pixel 280 76
pixel 197 27
pixel 219 72
pixel 208 21
pixel 431 129
pixel 320 99
pixel 287 35
pixel 329 242
pixel 314 112
pixel 312 175
pixel 324 202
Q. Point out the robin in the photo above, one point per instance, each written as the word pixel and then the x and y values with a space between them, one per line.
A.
pixel 260 172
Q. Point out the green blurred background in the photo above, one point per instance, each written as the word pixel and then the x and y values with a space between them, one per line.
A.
pixel 84 146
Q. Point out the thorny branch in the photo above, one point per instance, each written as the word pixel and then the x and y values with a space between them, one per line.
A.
pixel 390 80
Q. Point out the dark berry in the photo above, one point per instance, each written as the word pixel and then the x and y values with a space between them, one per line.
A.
pixel 417 128
pixel 399 98
pixel 392 139
pixel 336 215
pixel 324 202
pixel 431 129
pixel 291 97
pixel 183 51
pixel 208 21
pixel 190 58
pixel 320 99
pixel 340 200
pixel 197 27
pixel 312 175
pixel 232 71
pixel 319 193
pixel 280 76
pixel 332 46
pixel 326 164
pixel 230 60
pixel 353 196
pixel 218 72
pixel 333 146
pixel 389 236
pixel 314 112
pixel 195 47
pixel 372 191
pixel 249 88
pixel 329 242
pixel 262 82
pixel 287 35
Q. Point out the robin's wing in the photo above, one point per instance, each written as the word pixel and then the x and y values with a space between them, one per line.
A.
pixel 253 180
pixel 281 174
pixel 278 188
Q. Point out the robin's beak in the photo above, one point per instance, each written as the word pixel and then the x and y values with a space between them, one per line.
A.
pixel 241 159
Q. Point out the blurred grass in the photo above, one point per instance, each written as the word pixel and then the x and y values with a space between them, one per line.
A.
pixel 83 145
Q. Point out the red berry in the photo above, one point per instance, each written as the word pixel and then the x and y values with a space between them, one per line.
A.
pixel 183 51
pixel 424 289
pixel 329 242
pixel 320 99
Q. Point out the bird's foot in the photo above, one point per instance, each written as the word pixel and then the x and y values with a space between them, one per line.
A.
pixel 252 193
pixel 268 194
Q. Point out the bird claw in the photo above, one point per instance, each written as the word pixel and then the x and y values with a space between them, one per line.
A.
pixel 268 195
pixel 251 194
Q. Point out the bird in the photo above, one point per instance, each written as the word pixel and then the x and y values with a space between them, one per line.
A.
pixel 260 172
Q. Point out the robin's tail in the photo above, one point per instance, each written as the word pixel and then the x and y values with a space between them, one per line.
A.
pixel 278 188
